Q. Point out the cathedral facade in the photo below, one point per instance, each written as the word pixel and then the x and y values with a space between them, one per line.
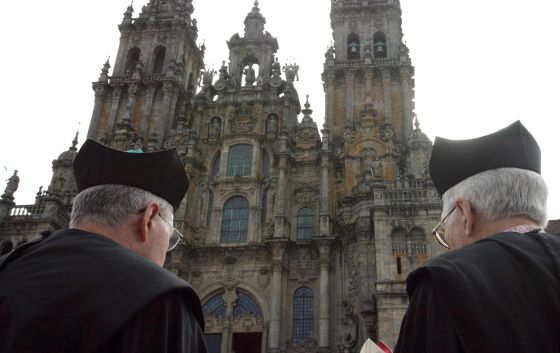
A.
pixel 298 239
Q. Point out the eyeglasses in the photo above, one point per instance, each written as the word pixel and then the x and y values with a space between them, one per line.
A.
pixel 175 238
pixel 439 230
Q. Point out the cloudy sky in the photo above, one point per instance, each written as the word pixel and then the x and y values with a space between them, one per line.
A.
pixel 480 65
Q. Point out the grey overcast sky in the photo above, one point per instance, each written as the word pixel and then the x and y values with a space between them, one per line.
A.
pixel 480 65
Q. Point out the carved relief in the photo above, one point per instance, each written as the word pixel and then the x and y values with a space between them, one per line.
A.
pixel 243 120
pixel 305 195
pixel 349 322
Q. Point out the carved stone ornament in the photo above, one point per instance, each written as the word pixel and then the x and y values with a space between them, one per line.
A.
pixel 305 195
pixel 243 120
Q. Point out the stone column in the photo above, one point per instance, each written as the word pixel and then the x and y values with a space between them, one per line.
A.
pixel 150 93
pixel 324 320
pixel 369 80
pixel 329 101
pixel 324 225
pixel 166 113
pixel 279 218
pixel 114 110
pixel 100 90
pixel 349 99
pixel 406 73
pixel 387 94
pixel 132 96
pixel 276 297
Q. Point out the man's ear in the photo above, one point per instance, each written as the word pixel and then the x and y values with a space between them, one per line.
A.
pixel 148 221
pixel 467 216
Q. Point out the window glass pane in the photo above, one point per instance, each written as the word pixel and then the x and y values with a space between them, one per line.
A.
pixel 235 220
pixel 246 306
pixel 305 224
pixel 303 315
pixel 240 159
pixel 216 306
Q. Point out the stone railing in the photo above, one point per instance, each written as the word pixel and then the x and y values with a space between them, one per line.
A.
pixel 360 63
pixel 409 248
pixel 27 211
pixel 397 287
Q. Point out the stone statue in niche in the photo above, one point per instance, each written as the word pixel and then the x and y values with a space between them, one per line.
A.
pixel 11 187
pixel 276 70
pixel 249 75
pixel 215 128
pixel 368 161
pixel 272 126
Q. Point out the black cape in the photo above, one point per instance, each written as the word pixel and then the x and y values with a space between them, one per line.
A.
pixel 500 294
pixel 81 292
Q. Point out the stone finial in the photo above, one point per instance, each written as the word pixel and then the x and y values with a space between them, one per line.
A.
pixel 75 141
pixel 307 112
pixel 416 122
pixel 104 76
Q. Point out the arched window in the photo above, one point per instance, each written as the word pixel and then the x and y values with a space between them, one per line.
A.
pixel 264 200
pixel 303 315
pixel 240 160
pixel 353 50
pixel 265 163
pixel 235 220
pixel 246 306
pixel 305 224
pixel 379 45
pixel 159 59
pixel 132 59
pixel 216 306
pixel 216 166
pixel 210 206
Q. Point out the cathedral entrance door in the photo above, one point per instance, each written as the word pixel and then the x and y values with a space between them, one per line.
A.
pixel 246 342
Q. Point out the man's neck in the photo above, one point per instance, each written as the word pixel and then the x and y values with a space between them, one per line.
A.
pixel 486 228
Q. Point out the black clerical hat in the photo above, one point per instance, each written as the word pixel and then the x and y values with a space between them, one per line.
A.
pixel 161 173
pixel 453 161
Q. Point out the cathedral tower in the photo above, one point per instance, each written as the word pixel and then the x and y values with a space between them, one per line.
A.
pixel 154 79
pixel 383 199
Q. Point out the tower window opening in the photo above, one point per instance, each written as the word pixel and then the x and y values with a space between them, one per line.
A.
pixel 353 51
pixel 132 60
pixel 399 265
pixel 379 45
pixel 159 59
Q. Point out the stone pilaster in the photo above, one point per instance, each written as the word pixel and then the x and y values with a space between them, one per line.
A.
pixel 324 298
pixel 386 73
pixel 114 110
pixel 100 91
pixel 278 249
pixel 147 111
pixel 350 98
pixel 406 81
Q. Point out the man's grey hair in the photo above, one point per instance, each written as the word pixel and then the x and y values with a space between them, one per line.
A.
pixel 501 193
pixel 113 204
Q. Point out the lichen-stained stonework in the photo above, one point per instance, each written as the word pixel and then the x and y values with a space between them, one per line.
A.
pixel 298 239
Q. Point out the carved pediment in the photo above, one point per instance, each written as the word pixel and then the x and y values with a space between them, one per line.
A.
pixel 305 195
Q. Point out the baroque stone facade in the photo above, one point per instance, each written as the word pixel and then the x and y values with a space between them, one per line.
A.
pixel 298 241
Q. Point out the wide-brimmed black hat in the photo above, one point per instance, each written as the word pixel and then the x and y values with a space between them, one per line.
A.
pixel 162 173
pixel 453 161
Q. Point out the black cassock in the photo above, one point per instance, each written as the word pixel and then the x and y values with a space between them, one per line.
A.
pixel 500 294
pixel 81 292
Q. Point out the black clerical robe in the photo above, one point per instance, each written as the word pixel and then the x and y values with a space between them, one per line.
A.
pixel 500 294
pixel 81 292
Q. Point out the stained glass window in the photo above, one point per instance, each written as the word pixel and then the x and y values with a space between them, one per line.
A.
pixel 305 224
pixel 210 206
pixel 216 306
pixel 235 220
pixel 246 306
pixel 303 315
pixel 240 160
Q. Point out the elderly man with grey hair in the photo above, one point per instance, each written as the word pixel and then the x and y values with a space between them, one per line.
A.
pixel 99 286
pixel 498 289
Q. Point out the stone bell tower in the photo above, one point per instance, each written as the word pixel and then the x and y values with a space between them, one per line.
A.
pixel 154 79
pixel 385 201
